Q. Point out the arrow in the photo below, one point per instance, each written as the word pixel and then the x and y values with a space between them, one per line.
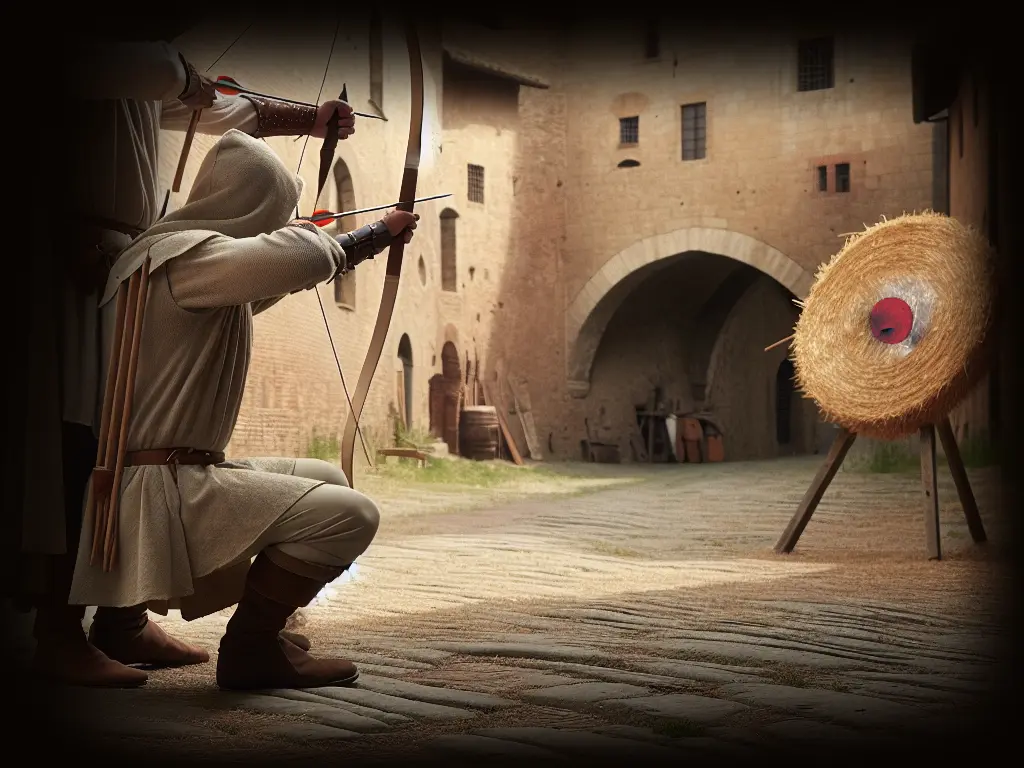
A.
pixel 231 87
pixel 322 218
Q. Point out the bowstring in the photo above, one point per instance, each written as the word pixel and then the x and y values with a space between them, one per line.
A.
pixel 319 299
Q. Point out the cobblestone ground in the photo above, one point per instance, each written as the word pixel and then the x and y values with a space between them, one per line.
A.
pixel 633 611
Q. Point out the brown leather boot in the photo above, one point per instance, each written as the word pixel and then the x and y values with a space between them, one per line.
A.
pixel 66 657
pixel 295 639
pixel 127 635
pixel 253 654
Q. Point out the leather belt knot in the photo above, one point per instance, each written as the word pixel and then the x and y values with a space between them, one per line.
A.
pixel 180 456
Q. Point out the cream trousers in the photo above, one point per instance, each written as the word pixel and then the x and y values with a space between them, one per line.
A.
pixel 325 530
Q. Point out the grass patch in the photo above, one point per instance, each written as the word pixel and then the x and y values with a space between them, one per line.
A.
pixel 885 458
pixel 410 437
pixel 324 447
pixel 476 474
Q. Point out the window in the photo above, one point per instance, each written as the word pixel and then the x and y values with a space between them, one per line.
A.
pixel 823 178
pixel 652 40
pixel 376 60
pixel 449 273
pixel 629 130
pixel 695 131
pixel 815 64
pixel 475 193
pixel 843 177
pixel 345 198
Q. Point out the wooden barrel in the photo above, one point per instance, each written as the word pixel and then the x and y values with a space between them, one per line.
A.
pixel 478 432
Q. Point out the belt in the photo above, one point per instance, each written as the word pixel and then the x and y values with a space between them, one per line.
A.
pixel 157 456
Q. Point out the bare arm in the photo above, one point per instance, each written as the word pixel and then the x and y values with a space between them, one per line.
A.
pixel 225 271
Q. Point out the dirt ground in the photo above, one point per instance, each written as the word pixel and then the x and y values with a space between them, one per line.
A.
pixel 589 598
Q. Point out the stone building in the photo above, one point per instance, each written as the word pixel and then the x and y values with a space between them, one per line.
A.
pixel 634 211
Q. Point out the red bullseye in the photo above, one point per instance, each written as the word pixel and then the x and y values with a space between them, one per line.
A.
pixel 891 320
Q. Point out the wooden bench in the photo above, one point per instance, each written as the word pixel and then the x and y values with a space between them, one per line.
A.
pixel 403 453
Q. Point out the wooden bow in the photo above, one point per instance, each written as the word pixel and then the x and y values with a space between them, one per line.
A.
pixel 395 255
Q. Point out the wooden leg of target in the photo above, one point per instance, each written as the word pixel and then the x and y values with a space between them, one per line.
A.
pixel 963 484
pixel 827 472
pixel 931 493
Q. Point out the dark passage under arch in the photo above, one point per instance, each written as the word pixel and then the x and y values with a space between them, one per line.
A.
pixel 784 389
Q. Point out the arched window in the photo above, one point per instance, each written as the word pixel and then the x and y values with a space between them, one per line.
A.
pixel 449 272
pixel 405 379
pixel 345 200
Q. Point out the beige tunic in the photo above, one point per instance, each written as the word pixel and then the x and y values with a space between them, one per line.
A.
pixel 195 351
pixel 129 94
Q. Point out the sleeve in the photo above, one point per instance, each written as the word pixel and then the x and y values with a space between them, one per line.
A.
pixel 225 271
pixel 148 71
pixel 264 304
pixel 226 113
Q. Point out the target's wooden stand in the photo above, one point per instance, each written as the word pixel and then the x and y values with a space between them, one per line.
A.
pixel 894 333
pixel 837 453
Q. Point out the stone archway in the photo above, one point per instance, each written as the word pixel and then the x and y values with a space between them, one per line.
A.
pixel 589 313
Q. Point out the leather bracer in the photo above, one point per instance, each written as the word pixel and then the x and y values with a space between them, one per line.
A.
pixel 364 243
pixel 193 83
pixel 281 118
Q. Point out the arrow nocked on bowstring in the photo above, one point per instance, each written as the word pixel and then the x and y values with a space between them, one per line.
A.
pixel 323 218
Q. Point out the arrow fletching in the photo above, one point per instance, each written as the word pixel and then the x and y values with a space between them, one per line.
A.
pixel 327 219
pixel 228 85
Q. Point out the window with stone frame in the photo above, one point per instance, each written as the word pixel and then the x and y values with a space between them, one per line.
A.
pixel 629 131
pixel 652 40
pixel 842 177
pixel 695 131
pixel 815 64
pixel 475 187
pixel 449 264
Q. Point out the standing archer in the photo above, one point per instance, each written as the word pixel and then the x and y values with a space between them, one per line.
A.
pixel 125 92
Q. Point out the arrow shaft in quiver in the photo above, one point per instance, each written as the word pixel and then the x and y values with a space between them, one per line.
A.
pixel 103 501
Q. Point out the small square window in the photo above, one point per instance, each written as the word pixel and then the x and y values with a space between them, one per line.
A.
pixel 629 130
